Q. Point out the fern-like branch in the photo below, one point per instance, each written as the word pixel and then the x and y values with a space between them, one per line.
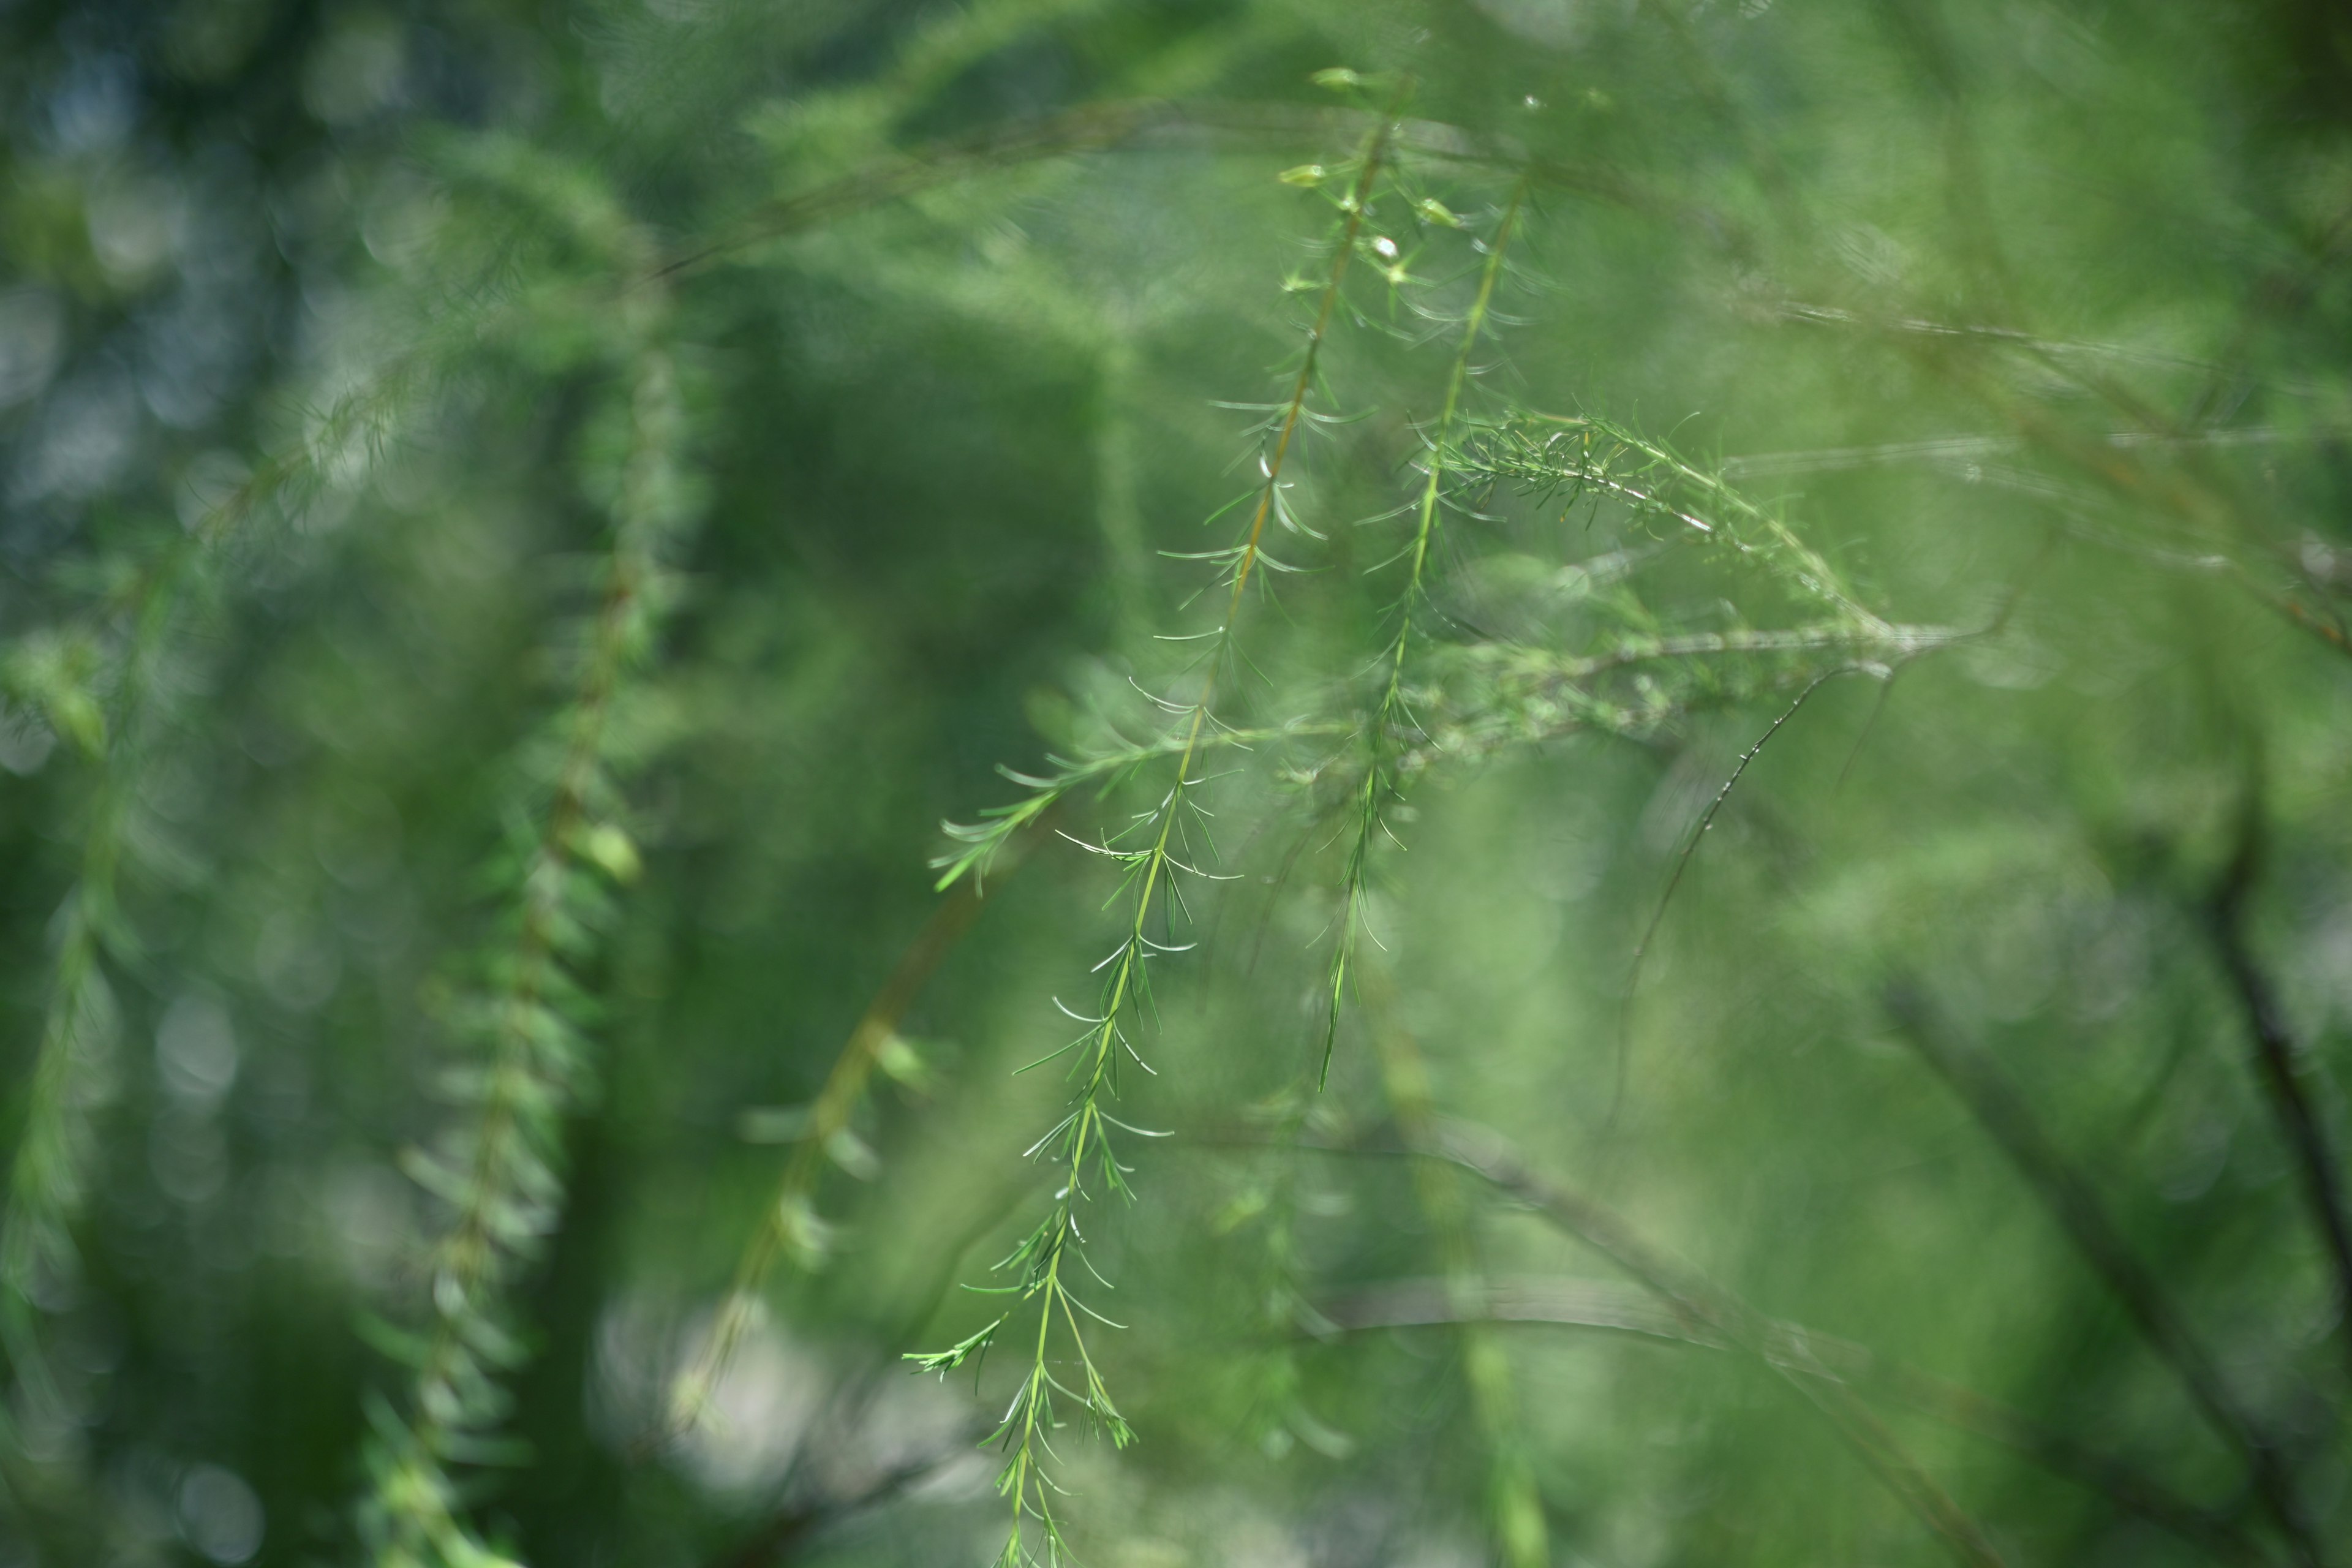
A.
pixel 508 1192
pixel 1585 454
pixel 1380 780
pixel 1080 1144
pixel 106 717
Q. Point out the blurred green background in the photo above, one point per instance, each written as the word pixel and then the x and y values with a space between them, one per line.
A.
pixel 1979 1077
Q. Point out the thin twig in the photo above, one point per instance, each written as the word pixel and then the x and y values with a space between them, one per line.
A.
pixel 1106 127
pixel 2002 1112
pixel 1710 1307
pixel 829 1118
pixel 794 1527
pixel 1608 1307
pixel 1682 864
pixel 2279 1058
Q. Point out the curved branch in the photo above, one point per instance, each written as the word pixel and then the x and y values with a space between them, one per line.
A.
pixel 1701 1303
pixel 1108 127
pixel 1608 1306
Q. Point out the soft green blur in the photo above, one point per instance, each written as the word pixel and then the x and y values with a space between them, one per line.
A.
pixel 1979 1079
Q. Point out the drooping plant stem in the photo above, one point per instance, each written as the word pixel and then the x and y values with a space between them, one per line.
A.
pixel 2279 1057
pixel 46 1178
pixel 788 1226
pixel 1081 1141
pixel 1380 782
pixel 508 1193
pixel 2004 1112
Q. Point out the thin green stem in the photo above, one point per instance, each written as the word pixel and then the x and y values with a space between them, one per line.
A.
pixel 1380 779
pixel 1083 1131
pixel 999 826
pixel 1554 451
pixel 788 1225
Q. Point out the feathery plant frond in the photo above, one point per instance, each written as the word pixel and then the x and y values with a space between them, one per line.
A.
pixel 1079 1146
pixel 960 284
pixel 1587 455
pixel 1514 1507
pixel 1639 670
pixel 999 826
pixel 46 1178
pixel 1380 785
pixel 503 1178
pixel 96 685
pixel 790 1227
pixel 1487 695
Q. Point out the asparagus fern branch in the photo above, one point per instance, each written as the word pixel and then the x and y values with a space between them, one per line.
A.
pixel 1080 1145
pixel 1382 783
pixel 506 1188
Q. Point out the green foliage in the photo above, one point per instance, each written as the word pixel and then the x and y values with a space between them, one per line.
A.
pixel 1680 671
